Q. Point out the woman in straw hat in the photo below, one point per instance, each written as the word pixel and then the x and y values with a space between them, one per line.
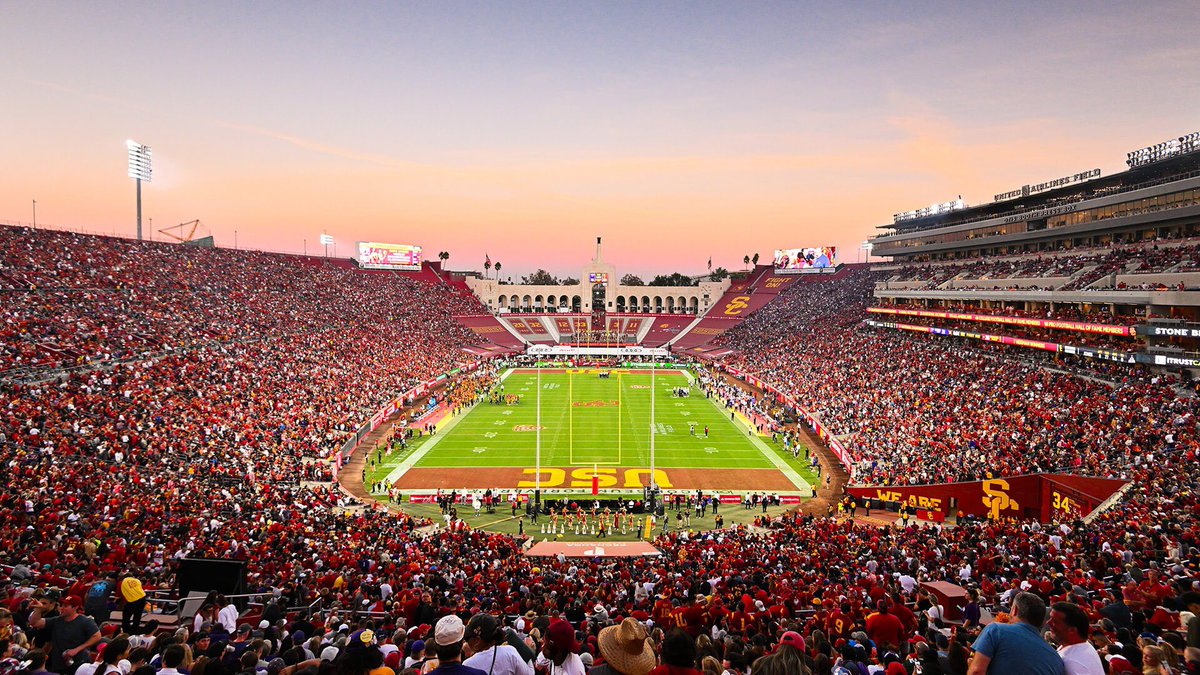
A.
pixel 625 649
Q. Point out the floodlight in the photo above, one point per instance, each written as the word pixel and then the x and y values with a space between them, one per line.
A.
pixel 139 170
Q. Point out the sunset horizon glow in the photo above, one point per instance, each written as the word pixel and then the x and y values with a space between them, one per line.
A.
pixel 678 132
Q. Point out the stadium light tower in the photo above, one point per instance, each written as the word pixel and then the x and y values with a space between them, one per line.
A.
pixel 139 170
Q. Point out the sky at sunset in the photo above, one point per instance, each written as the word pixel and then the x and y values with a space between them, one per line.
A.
pixel 677 131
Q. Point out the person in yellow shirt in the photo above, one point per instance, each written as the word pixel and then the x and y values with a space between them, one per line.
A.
pixel 134 604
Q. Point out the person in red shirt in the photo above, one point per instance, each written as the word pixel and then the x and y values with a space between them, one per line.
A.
pixel 885 629
pixel 840 624
pixel 695 617
pixel 663 609
pixel 902 612
pixel 742 622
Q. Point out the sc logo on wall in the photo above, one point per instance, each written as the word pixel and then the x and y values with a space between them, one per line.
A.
pixel 736 305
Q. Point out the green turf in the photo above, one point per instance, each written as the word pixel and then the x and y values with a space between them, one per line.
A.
pixel 616 433
pixel 578 433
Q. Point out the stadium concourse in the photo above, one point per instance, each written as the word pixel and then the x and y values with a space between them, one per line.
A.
pixel 162 402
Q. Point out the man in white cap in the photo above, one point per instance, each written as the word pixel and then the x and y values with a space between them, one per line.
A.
pixel 448 644
pixel 599 614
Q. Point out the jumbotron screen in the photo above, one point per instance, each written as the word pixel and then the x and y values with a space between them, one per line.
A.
pixel 376 256
pixel 795 259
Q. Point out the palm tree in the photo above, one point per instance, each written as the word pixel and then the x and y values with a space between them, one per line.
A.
pixel 497 269
pixel 487 265
pixel 754 259
pixel 746 260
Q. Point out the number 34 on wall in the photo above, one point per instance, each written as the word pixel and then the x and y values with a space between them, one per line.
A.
pixel 1063 504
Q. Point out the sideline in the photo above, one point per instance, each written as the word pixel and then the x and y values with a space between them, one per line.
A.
pixel 742 422
pixel 450 422
pixel 411 460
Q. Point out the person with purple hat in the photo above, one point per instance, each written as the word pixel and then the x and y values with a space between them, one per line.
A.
pixel 416 654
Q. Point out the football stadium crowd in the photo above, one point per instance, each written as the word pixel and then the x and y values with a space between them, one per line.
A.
pixel 924 409
pixel 1085 267
pixel 131 442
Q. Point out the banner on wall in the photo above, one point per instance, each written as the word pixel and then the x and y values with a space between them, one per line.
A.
pixel 1041 345
pixel 1077 326
pixel 1046 497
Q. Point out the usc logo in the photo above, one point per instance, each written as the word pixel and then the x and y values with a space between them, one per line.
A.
pixel 996 499
pixel 582 478
pixel 737 304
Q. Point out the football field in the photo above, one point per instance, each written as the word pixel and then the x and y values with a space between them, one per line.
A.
pixel 599 426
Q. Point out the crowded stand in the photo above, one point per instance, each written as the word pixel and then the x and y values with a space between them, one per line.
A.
pixel 292 356
pixel 1087 266
pixel 378 594
pixel 155 444
pixel 923 410
pixel 75 299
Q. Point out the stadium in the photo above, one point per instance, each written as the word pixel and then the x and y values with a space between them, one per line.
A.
pixel 969 446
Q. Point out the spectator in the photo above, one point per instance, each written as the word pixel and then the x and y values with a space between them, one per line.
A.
pixel 487 649
pixel 678 655
pixel 134 603
pixel 885 629
pixel 172 659
pixel 626 650
pixel 71 635
pixel 1017 648
pixel 448 643
pixel 1070 626
pixel 561 651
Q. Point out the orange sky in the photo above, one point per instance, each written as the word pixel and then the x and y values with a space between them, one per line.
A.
pixel 676 131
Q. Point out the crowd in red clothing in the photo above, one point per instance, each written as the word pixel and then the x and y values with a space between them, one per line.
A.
pixel 916 409
pixel 73 299
pixel 200 450
pixel 734 592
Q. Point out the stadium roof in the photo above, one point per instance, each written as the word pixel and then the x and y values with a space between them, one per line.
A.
pixel 1164 171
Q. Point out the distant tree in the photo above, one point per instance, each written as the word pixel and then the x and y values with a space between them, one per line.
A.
pixel 746 260
pixel 673 279
pixel 719 274
pixel 497 266
pixel 444 256
pixel 487 265
pixel 570 281
pixel 632 280
pixel 754 259
pixel 540 278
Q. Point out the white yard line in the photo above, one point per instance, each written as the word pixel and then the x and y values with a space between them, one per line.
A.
pixel 768 452
pixel 451 422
